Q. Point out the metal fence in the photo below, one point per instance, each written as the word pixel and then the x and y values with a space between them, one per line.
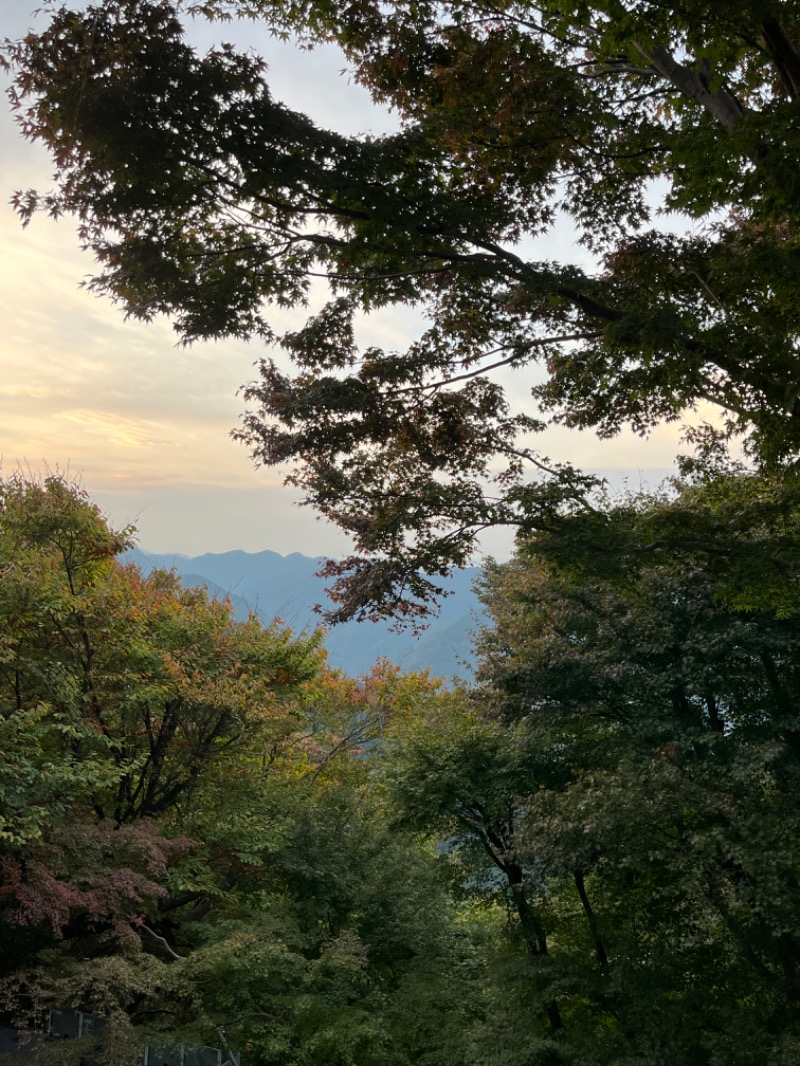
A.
pixel 71 1024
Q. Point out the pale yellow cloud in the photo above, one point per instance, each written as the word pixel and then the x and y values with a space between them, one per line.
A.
pixel 124 432
pixel 27 391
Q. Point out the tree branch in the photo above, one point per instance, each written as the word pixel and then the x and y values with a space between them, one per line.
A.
pixel 722 104
pixel 784 55
pixel 167 947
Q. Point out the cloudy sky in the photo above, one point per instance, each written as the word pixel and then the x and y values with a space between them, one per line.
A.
pixel 143 424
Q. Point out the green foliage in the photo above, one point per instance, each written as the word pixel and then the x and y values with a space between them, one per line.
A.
pixel 192 842
pixel 659 700
pixel 55 548
pixel 118 691
pixel 593 857
pixel 618 797
pixel 514 118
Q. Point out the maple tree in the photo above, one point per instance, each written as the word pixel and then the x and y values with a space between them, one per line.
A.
pixel 619 797
pixel 122 689
pixel 119 695
pixel 191 848
pixel 205 199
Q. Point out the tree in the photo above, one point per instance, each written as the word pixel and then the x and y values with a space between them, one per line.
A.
pixel 514 116
pixel 125 689
pixel 458 774
pixel 193 848
pixel 623 783
pixel 651 685
pixel 340 946
pixel 119 697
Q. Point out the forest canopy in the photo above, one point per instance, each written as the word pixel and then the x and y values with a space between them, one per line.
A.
pixel 188 847
pixel 589 857
pixel 209 838
pixel 205 199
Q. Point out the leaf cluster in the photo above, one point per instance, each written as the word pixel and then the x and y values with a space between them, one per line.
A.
pixel 205 199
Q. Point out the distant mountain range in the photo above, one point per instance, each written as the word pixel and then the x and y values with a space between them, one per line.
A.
pixel 286 587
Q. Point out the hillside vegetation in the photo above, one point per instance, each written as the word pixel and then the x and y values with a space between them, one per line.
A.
pixel 589 857
pixel 209 837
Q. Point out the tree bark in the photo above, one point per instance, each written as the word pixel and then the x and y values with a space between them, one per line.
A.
pixel 784 56
pixel 591 920
pixel 533 933
pixel 722 104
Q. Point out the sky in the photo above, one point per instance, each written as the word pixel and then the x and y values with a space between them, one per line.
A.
pixel 144 425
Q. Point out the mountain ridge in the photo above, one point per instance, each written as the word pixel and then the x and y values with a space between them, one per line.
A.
pixel 287 587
